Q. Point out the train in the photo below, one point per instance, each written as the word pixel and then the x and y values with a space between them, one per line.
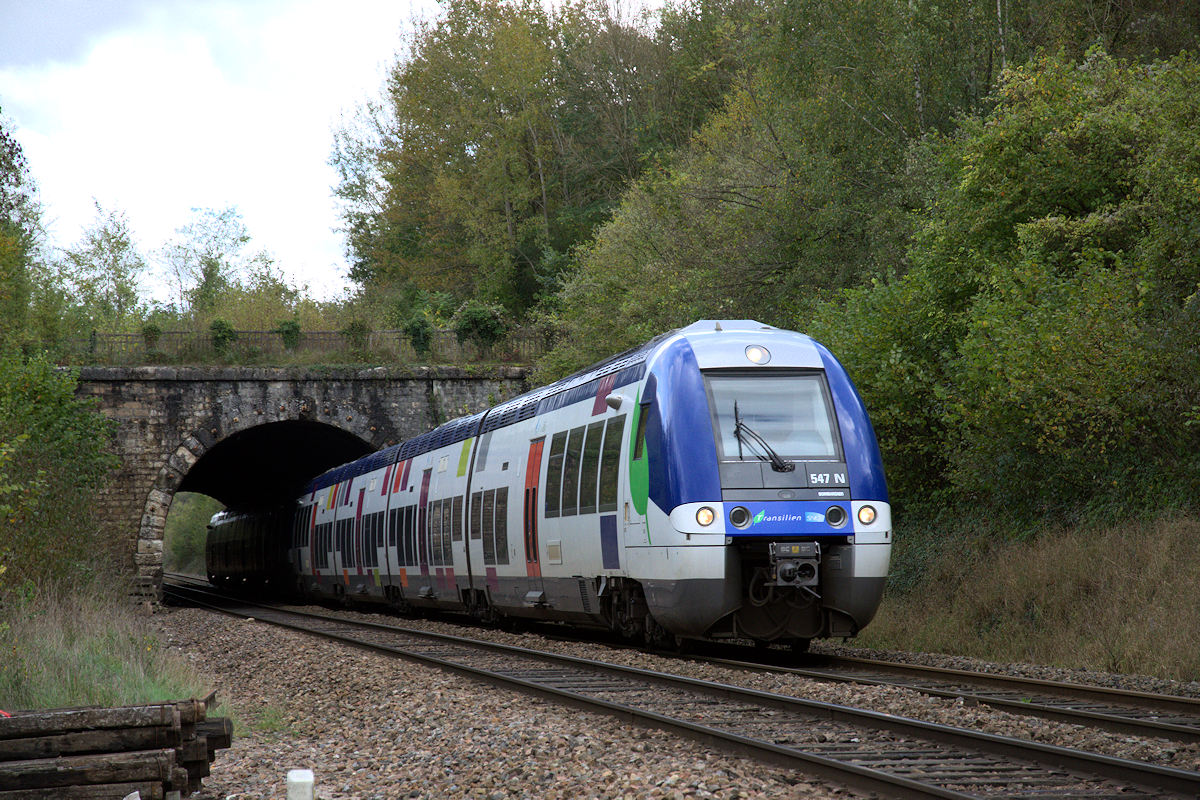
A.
pixel 721 481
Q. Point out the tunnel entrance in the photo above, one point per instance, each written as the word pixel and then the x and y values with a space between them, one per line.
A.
pixel 270 464
pixel 257 468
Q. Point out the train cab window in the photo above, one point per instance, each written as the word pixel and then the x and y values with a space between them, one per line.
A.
pixel 477 515
pixel 558 448
pixel 610 464
pixel 790 411
pixel 589 469
pixel 639 443
pixel 570 487
pixel 457 520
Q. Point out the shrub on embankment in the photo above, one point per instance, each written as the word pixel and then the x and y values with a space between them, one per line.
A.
pixel 54 455
pixel 1112 597
pixel 69 635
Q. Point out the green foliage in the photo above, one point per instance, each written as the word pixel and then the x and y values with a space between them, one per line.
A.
pixel 357 333
pixel 289 332
pixel 1040 354
pixel 420 333
pixel 224 336
pixel 186 529
pixel 151 333
pixel 508 133
pixel 480 324
pixel 100 273
pixel 54 458
pixel 82 647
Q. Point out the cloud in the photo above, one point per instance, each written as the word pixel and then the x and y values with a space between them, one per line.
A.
pixel 206 105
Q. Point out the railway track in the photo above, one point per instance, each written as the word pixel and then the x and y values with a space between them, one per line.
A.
pixel 867 750
pixel 1137 713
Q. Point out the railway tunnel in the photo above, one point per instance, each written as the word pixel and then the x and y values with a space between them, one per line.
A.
pixel 269 464
pixel 251 436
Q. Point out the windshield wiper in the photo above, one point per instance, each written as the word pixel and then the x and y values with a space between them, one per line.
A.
pixel 745 434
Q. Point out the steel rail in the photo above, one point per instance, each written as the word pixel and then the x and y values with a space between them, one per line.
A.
pixel 1119 710
pixel 1153 778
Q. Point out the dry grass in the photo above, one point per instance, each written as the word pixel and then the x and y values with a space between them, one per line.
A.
pixel 75 648
pixel 1120 599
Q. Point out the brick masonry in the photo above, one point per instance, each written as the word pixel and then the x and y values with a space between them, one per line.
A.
pixel 168 417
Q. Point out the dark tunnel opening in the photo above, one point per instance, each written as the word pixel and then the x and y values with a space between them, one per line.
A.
pixel 270 464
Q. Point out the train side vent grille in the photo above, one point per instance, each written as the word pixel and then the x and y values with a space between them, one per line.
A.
pixel 584 596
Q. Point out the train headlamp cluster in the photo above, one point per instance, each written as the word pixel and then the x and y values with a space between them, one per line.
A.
pixel 705 516
pixel 866 514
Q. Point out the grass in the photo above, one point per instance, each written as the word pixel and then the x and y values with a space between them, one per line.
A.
pixel 1116 597
pixel 81 648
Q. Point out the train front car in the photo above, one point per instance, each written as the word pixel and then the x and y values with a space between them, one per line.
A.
pixel 765 504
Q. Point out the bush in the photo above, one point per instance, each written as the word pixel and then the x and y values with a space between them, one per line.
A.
pixel 289 332
pixel 419 331
pixel 151 333
pixel 223 336
pixel 482 325
pixel 357 333
pixel 54 456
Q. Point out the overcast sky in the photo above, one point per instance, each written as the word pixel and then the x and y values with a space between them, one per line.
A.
pixel 156 107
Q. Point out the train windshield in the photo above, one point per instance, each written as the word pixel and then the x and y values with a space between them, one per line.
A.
pixel 790 412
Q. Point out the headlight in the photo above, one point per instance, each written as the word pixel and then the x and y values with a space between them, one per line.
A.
pixel 758 354
pixel 705 516
pixel 866 514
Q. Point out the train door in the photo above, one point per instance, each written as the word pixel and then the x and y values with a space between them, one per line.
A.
pixel 533 467
pixel 423 532
pixel 636 485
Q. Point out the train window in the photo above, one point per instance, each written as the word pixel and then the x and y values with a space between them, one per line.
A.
pixel 410 535
pixel 501 548
pixel 570 491
pixel 558 447
pixel 393 526
pixel 457 519
pixel 436 530
pixel 589 470
pixel 639 443
pixel 489 527
pixel 444 551
pixel 791 411
pixel 477 515
pixel 610 464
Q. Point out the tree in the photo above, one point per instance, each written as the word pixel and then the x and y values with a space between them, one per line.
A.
pixel 20 226
pixel 506 136
pixel 207 257
pixel 102 271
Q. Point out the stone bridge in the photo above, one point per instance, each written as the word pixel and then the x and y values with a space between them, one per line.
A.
pixel 254 436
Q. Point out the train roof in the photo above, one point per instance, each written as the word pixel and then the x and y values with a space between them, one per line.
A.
pixel 624 368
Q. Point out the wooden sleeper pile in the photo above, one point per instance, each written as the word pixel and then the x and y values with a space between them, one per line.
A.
pixel 153 750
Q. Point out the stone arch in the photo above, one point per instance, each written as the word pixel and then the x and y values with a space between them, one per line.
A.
pixel 334 445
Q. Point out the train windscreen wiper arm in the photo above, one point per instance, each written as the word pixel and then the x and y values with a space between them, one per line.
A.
pixel 745 434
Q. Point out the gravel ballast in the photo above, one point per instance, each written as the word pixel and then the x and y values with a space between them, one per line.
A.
pixel 370 726
pixel 375 727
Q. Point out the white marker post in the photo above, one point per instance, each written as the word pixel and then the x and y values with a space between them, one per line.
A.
pixel 300 784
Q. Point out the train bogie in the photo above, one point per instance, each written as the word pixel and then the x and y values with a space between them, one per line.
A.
pixel 722 480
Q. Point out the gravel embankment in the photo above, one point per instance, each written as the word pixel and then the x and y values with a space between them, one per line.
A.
pixel 371 727
pixel 374 727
